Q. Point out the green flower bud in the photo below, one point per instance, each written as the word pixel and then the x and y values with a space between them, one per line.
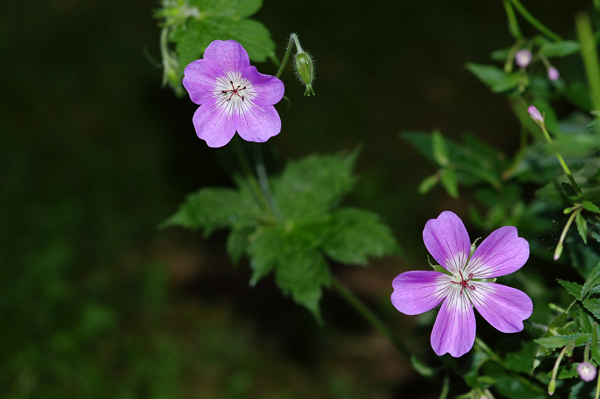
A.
pixel 305 71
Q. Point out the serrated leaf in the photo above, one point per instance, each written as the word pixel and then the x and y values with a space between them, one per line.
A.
pixel 572 288
pixel 593 305
pixel 448 180
pixel 238 240
pixel 311 187
pixel 559 49
pixel 495 78
pixel 439 150
pixel 588 206
pixel 559 341
pixel 581 227
pixel 353 235
pixel 214 208
pixel 234 9
pixel 592 281
pixel 291 252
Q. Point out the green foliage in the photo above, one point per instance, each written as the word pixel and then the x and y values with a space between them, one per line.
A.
pixel 312 227
pixel 191 25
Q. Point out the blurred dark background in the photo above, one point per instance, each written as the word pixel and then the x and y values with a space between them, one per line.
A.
pixel 96 302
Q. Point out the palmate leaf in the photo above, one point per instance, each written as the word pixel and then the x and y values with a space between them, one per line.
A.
pixel 353 235
pixel 215 208
pixel 204 21
pixel 313 186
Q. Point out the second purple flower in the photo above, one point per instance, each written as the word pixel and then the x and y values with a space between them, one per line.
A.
pixel 465 284
pixel 233 96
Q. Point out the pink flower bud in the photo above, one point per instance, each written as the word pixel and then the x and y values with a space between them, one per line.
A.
pixel 523 58
pixel 535 115
pixel 553 73
pixel 586 371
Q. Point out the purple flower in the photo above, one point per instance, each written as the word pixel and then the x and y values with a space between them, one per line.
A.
pixel 553 73
pixel 586 371
pixel 233 96
pixel 464 284
pixel 523 58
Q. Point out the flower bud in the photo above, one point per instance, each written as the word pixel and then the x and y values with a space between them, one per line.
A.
pixel 586 371
pixel 523 58
pixel 553 73
pixel 535 115
pixel 305 70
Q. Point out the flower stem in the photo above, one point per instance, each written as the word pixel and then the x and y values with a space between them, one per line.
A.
pixel 563 164
pixel 257 193
pixel 265 188
pixel 513 24
pixel 534 21
pixel 293 40
pixel 590 57
pixel 368 315
pixel 559 246
pixel 552 385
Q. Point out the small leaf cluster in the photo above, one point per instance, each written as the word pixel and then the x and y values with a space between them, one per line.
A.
pixel 189 26
pixel 308 226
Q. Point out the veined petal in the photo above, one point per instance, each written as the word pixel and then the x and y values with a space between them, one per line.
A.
pixel 228 54
pixel 503 307
pixel 214 124
pixel 447 240
pixel 257 122
pixel 419 291
pixel 454 328
pixel 501 253
pixel 200 78
pixel 268 89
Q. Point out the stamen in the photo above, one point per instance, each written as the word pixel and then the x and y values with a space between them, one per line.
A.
pixel 464 283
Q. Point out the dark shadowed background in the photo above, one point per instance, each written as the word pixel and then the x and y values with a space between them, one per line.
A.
pixel 96 302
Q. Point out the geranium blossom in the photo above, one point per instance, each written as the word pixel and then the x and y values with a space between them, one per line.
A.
pixel 233 96
pixel 465 284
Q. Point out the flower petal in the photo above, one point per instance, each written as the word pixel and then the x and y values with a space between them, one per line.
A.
pixel 257 122
pixel 454 328
pixel 199 80
pixel 447 240
pixel 419 291
pixel 214 124
pixel 503 307
pixel 228 54
pixel 269 90
pixel 501 253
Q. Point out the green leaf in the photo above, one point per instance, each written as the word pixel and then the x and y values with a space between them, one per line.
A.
pixel 569 190
pixel 588 206
pixel 428 183
pixel 291 252
pixel 522 361
pixel 354 235
pixel 238 240
pixel 311 187
pixel 581 227
pixel 214 208
pixel 439 150
pixel 559 49
pixel 559 341
pixel 593 305
pixel 495 78
pixel 572 288
pixel 234 9
pixel 592 281
pixel 510 387
pixel 448 180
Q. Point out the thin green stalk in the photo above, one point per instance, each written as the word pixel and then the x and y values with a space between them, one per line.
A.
pixel 288 50
pixel 590 57
pixel 552 384
pixel 559 246
pixel 563 164
pixel 368 315
pixel 256 191
pixel 487 349
pixel 534 21
pixel 513 24
pixel 265 188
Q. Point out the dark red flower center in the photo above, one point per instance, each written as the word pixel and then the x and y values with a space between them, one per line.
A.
pixel 235 91
pixel 464 283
